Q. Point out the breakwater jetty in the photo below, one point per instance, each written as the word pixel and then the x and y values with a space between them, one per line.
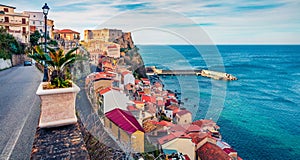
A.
pixel 152 70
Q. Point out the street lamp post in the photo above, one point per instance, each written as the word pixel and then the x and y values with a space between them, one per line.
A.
pixel 45 11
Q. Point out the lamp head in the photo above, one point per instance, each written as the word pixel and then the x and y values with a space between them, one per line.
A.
pixel 45 9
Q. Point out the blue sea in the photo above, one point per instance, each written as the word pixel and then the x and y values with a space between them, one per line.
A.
pixel 259 114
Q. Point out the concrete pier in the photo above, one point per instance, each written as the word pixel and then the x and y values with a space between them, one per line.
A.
pixel 199 72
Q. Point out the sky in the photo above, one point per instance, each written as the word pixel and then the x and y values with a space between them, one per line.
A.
pixel 177 21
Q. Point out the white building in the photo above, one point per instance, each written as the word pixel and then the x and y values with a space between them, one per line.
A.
pixel 36 21
pixel 112 98
pixel 127 78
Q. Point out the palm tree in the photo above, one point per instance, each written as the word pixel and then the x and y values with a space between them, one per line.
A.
pixel 58 62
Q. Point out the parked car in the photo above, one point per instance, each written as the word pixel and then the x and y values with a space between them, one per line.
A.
pixel 27 63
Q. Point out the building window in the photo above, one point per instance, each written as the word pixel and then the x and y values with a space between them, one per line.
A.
pixel 110 126
pixel 33 22
pixel 7 28
pixel 23 21
pixel 6 19
pixel 24 29
pixel 5 9
pixel 33 15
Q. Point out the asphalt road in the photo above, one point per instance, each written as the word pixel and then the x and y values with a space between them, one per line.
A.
pixel 19 111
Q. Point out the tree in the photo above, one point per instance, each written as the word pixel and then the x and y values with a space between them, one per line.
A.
pixel 34 38
pixel 58 62
pixel 9 45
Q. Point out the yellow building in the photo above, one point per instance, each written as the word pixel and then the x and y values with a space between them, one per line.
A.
pixel 16 24
pixel 183 117
pixel 126 129
pixel 50 27
pixel 106 35
pixel 67 35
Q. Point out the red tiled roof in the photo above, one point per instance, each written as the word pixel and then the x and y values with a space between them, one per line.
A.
pixel 210 151
pixel 144 79
pixel 132 108
pixel 229 150
pixel 160 102
pixel 112 46
pixel 198 137
pixel 187 128
pixel 125 120
pixel 137 81
pixel 186 157
pixel 183 112
pixel 162 123
pixel 66 31
pixel 202 122
pixel 105 90
pixel 147 98
pixel 138 102
pixel 126 72
pixel 141 92
pixel 170 137
pixel 193 128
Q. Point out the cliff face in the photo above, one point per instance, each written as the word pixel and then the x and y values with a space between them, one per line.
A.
pixel 125 41
pixel 131 55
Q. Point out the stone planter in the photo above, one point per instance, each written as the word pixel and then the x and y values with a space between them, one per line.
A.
pixel 57 106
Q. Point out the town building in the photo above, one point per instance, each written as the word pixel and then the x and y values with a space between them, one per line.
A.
pixel 124 126
pixel 67 35
pixel 50 28
pixel 183 117
pixel 16 24
pixel 67 38
pixel 37 23
pixel 106 35
pixel 111 98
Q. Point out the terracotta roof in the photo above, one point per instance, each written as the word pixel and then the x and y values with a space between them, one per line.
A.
pixel 160 102
pixel 175 109
pixel 144 79
pixel 210 151
pixel 137 81
pixel 169 137
pixel 126 72
pixel 125 120
pixel 66 31
pixel 161 123
pixel 192 128
pixel 105 90
pixel 147 98
pixel 187 128
pixel 183 112
pixel 132 108
pixel 202 122
pixel 229 150
pixel 112 46
pixel 186 157
pixel 198 137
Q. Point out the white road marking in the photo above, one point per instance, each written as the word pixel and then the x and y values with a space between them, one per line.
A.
pixel 9 147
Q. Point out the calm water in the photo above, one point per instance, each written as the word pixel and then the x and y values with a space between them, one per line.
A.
pixel 259 113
